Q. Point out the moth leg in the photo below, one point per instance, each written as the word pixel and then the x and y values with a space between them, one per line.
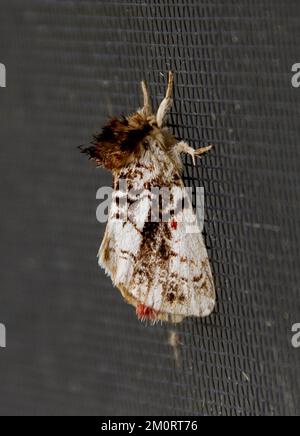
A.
pixel 203 150
pixel 166 104
pixel 147 109
pixel 183 147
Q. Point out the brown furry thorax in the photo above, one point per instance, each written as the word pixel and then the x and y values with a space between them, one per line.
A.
pixel 123 140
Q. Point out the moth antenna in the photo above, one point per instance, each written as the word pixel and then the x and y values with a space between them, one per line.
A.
pixel 147 109
pixel 166 104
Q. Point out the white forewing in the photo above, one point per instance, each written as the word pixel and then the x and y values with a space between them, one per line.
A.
pixel 163 265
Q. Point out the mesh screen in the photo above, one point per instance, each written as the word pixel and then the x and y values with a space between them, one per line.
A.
pixel 73 345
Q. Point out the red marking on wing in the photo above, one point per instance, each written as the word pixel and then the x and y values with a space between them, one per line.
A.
pixel 144 312
pixel 174 224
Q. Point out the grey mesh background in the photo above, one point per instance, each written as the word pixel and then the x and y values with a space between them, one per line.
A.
pixel 73 345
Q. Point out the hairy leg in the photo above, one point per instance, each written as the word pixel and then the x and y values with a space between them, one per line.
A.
pixel 183 147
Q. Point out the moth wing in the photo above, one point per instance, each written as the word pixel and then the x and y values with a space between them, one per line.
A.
pixel 190 288
pixel 190 285
pixel 160 265
pixel 173 273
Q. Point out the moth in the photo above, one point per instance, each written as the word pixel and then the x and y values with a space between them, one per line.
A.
pixel 160 267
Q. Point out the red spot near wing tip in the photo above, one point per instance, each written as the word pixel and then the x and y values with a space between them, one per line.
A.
pixel 144 312
pixel 174 224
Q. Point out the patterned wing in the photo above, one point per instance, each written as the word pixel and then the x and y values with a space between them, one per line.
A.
pixel 160 267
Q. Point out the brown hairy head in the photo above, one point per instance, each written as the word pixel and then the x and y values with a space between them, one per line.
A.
pixel 120 142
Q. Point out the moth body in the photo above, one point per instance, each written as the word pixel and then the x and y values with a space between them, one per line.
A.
pixel 157 260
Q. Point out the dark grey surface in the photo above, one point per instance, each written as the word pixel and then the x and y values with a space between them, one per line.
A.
pixel 74 347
